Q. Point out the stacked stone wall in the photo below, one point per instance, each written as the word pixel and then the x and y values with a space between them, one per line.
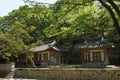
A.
pixel 69 74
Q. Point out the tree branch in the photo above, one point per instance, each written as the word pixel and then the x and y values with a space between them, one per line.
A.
pixel 114 6
pixel 115 21
pixel 68 12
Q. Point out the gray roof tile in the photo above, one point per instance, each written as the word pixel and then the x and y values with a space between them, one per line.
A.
pixel 47 46
pixel 93 43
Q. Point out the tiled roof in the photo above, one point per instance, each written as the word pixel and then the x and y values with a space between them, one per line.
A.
pixel 60 48
pixel 47 46
pixel 97 42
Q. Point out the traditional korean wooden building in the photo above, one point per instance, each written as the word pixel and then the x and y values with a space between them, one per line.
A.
pixel 94 52
pixel 48 54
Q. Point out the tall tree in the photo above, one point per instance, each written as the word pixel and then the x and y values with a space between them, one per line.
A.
pixel 38 16
pixel 15 41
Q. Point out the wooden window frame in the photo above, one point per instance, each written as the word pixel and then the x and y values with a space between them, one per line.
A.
pixel 97 55
pixel 45 59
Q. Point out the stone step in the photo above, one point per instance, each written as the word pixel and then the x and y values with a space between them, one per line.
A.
pixel 10 75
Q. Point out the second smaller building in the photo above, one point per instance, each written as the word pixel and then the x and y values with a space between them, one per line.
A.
pixel 94 52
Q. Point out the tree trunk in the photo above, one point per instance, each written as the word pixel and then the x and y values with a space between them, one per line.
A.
pixel 115 21
pixel 32 62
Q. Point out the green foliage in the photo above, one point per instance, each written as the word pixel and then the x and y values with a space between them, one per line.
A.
pixel 67 21
pixel 15 41
pixel 38 16
pixel 87 20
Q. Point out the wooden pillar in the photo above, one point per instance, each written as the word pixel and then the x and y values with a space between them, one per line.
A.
pixel 49 56
pixel 91 57
pixel 60 57
pixel 38 57
pixel 82 56
pixel 42 56
pixel 102 56
pixel 88 56
pixel 106 56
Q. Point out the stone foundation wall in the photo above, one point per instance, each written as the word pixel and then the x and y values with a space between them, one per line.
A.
pixel 5 69
pixel 69 74
pixel 7 66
